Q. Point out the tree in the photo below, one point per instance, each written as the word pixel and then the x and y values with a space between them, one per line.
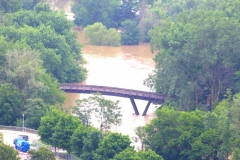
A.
pixel 206 146
pixel 91 143
pixel 87 12
pixel 107 112
pixel 130 154
pixel 10 104
pixel 10 5
pixel 172 133
pixel 29 4
pixel 189 135
pixel 1 138
pixel 97 34
pixel 198 60
pixel 22 70
pixel 77 139
pixel 236 154
pixel 63 131
pixel 228 110
pixel 25 71
pixel 50 33
pixel 127 10
pixel 8 152
pixel 47 125
pixel 42 153
pixel 112 144
pixel 148 155
pixel 141 135
pixel 130 33
pixel 34 110
pixel 126 154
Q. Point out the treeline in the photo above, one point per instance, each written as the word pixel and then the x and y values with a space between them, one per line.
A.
pixel 133 18
pixel 197 63
pixel 66 131
pixel 197 134
pixel 198 55
pixel 38 51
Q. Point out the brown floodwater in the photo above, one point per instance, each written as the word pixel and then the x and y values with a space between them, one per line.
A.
pixel 123 67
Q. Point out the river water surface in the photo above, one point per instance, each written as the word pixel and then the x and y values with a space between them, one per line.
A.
pixel 123 67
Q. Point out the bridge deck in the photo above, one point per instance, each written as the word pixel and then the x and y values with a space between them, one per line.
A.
pixel 113 91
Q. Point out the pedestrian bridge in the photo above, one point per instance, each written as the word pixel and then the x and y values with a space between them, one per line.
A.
pixel 118 92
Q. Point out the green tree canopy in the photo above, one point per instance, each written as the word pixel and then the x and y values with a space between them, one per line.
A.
pixel 63 131
pixel 98 34
pixel 57 128
pixel 112 144
pixel 130 154
pixel 91 143
pixel 10 104
pixel 106 111
pixel 38 89
pixel 8 152
pixel 1 137
pixel 33 111
pixel 42 154
pixel 190 135
pixel 87 12
pixel 78 139
pixel 50 33
pixel 11 5
pixel 47 125
pixel 130 33
pixel 197 57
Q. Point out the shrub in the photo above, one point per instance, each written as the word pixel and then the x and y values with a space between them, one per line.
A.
pixel 97 34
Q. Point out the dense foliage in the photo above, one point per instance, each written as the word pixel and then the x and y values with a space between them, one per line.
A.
pixel 38 50
pixel 197 134
pixel 26 89
pixel 131 154
pixel 42 154
pixel 112 14
pixel 130 33
pixel 1 137
pixel 63 130
pixel 8 152
pixel 106 112
pixel 198 58
pixel 50 33
pixel 10 102
pixel 109 12
pixel 16 5
pixel 98 34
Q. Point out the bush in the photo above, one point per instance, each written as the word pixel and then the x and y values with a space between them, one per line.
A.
pixel 130 33
pixel 1 137
pixel 97 34
pixel 8 152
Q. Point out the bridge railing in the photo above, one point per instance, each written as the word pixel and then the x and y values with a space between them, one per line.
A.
pixel 114 90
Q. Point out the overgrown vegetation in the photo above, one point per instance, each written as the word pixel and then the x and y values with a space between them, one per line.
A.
pixel 98 35
pixel 197 61
pixel 38 51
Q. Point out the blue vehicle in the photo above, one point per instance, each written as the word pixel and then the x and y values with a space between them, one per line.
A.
pixel 24 137
pixel 22 145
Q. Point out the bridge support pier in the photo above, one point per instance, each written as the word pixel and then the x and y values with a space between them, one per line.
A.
pixel 134 106
pixel 146 109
